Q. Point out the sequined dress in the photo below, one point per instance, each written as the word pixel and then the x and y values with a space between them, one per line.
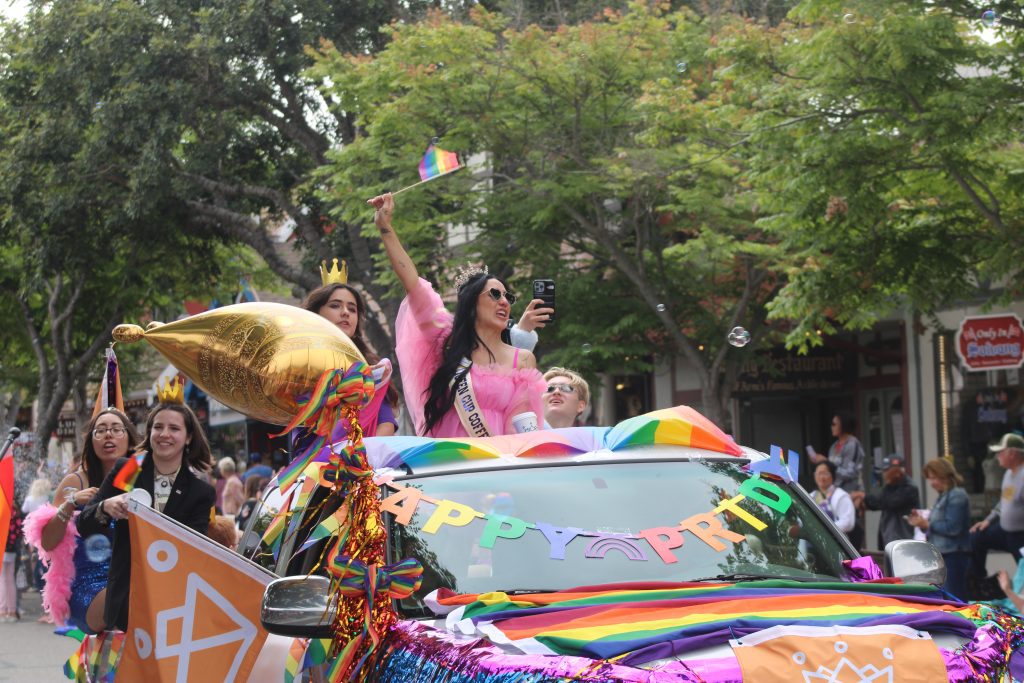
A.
pixel 90 578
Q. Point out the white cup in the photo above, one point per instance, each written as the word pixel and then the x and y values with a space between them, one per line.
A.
pixel 524 422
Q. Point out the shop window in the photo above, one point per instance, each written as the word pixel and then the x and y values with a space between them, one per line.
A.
pixel 632 396
pixel 974 409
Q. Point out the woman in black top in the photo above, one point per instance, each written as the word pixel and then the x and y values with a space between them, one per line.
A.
pixel 178 451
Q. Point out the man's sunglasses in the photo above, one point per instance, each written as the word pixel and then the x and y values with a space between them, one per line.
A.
pixel 564 388
pixel 496 294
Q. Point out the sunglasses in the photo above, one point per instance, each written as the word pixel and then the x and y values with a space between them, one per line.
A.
pixel 496 294
pixel 564 388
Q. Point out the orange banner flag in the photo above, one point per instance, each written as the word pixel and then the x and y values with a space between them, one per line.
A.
pixel 839 654
pixel 6 498
pixel 194 606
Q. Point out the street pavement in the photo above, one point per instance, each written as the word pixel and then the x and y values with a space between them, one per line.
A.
pixel 30 652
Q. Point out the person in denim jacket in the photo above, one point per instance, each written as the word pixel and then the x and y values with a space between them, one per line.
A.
pixel 948 524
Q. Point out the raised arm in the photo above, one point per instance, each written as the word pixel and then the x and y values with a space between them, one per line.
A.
pixel 403 266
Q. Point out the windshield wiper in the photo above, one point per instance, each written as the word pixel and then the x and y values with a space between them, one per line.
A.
pixel 526 591
pixel 740 576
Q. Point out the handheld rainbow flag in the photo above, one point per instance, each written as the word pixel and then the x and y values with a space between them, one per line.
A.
pixel 438 162
pixel 125 479
pixel 435 163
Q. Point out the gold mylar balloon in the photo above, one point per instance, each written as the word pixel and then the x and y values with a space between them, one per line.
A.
pixel 257 358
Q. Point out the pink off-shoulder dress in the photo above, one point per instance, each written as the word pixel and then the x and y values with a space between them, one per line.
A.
pixel 422 326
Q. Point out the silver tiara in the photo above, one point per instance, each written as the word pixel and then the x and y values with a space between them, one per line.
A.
pixel 465 273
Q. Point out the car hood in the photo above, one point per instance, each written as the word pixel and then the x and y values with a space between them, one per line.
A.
pixel 690 632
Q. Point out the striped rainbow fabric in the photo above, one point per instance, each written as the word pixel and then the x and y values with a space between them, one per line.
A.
pixel 638 623
pixel 679 426
pixel 437 162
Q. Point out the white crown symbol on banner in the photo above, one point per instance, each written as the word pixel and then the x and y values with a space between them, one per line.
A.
pixel 848 672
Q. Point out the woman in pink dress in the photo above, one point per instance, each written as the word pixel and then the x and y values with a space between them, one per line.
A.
pixel 460 379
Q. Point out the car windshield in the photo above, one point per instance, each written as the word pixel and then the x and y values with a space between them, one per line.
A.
pixel 562 526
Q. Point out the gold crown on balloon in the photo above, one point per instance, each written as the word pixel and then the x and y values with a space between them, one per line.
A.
pixel 465 273
pixel 335 274
pixel 171 392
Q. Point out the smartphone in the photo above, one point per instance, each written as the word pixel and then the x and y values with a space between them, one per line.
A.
pixel 810 451
pixel 545 290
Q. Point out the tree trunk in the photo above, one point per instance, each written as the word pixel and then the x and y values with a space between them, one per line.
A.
pixel 83 410
pixel 11 406
pixel 60 367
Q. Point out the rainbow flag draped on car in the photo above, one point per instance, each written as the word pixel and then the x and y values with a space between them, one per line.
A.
pixel 678 426
pixel 645 621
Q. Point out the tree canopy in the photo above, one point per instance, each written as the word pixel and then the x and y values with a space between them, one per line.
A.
pixel 606 156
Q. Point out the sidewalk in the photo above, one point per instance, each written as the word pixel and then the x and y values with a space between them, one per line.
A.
pixel 29 650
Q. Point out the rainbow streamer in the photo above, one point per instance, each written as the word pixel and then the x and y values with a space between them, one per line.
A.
pixel 317 653
pixel 129 472
pixel 274 533
pixel 326 528
pixel 438 162
pixel 334 390
pixel 114 655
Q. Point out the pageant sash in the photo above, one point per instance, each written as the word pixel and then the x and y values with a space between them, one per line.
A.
pixel 468 407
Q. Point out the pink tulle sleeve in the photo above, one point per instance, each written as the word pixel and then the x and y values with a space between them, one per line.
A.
pixel 529 392
pixel 60 562
pixel 422 325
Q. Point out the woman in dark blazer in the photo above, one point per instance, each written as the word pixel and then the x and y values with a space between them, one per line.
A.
pixel 177 450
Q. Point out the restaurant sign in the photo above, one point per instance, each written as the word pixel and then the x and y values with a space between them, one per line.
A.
pixel 990 342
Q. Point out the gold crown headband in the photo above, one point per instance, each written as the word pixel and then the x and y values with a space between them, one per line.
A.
pixel 465 273
pixel 171 392
pixel 333 275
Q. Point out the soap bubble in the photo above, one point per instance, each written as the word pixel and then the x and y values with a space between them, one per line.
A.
pixel 849 18
pixel 681 67
pixel 97 548
pixel 435 140
pixel 989 18
pixel 660 308
pixel 739 337
pixel 586 348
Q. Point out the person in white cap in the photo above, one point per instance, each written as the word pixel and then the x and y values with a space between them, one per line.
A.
pixel 1003 528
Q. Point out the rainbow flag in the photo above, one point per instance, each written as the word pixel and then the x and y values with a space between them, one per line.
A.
pixel 438 162
pixel 6 497
pixel 678 426
pixel 641 621
pixel 126 476
pixel 293 664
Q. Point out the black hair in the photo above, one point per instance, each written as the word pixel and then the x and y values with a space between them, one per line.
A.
pixel 90 461
pixel 847 422
pixel 319 297
pixel 197 451
pixel 459 344
pixel 831 468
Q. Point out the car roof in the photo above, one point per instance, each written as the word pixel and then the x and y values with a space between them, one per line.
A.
pixel 670 434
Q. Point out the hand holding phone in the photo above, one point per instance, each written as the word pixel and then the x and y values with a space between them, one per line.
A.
pixel 545 291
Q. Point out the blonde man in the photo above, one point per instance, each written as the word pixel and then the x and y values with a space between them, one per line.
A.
pixel 565 399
